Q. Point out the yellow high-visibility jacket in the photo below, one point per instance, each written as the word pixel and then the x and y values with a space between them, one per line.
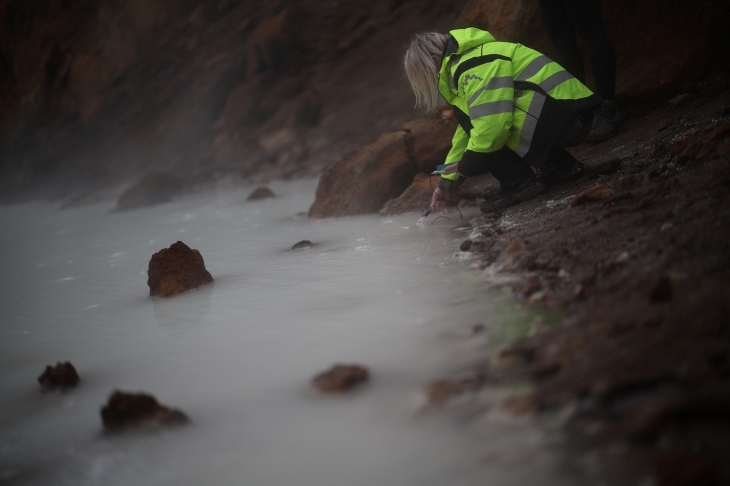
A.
pixel 506 95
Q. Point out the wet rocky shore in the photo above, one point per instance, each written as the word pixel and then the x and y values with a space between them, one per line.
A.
pixel 638 263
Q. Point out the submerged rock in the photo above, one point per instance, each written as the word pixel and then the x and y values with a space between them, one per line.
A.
pixel 60 377
pixel 175 270
pixel 302 245
pixel 261 192
pixel 440 392
pixel 341 378
pixel 124 410
pixel 154 188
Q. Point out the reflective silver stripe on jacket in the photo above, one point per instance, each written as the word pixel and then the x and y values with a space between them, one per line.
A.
pixel 493 83
pixel 528 128
pixel 533 68
pixel 491 108
pixel 554 80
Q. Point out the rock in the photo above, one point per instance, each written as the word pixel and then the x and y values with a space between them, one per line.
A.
pixel 274 44
pixel 124 410
pixel 514 256
pixel 417 197
pixel 60 377
pixel 677 468
pixel 465 245
pixel 175 270
pixel 341 378
pixel 362 182
pixel 241 102
pixel 439 392
pixel 430 141
pixel 154 188
pixel 519 405
pixel 527 287
pixel 302 245
pixel 680 100
pixel 261 192
pixel 595 193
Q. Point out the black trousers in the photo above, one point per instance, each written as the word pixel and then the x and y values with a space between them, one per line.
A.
pixel 511 170
pixel 564 19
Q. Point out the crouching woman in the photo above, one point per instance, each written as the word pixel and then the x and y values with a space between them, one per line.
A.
pixel 516 109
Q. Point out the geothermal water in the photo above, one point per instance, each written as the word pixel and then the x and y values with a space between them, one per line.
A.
pixel 237 355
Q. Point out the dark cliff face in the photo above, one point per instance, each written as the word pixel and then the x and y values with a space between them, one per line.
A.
pixel 94 92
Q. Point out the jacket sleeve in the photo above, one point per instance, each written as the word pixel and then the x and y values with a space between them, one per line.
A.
pixel 458 146
pixel 489 92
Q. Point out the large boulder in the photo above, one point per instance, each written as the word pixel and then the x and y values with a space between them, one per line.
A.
pixel 364 181
pixel 124 410
pixel 430 140
pixel 154 188
pixel 175 270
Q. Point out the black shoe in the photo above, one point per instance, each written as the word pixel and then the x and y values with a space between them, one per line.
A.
pixel 606 122
pixel 509 197
pixel 503 199
pixel 551 178
pixel 529 189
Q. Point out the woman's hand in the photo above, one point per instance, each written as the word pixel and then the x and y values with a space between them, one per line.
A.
pixel 441 199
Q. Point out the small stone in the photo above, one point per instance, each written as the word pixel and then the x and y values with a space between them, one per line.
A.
pixel 302 245
pixel 175 270
pixel 527 287
pixel 680 100
pixel 519 405
pixel 663 291
pixel 439 392
pixel 341 378
pixel 261 192
pixel 465 245
pixel 595 193
pixel 666 227
pixel 124 410
pixel 59 378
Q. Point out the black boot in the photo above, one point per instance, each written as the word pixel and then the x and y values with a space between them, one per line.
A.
pixel 560 167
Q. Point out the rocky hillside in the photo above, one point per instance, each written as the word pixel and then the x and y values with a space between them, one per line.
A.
pixel 94 93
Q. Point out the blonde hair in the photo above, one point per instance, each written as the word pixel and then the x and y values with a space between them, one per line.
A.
pixel 422 70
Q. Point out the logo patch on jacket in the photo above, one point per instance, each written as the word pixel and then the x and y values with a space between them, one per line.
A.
pixel 468 78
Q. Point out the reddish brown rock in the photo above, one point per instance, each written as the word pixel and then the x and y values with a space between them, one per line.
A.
pixel 417 197
pixel 527 287
pixel 364 181
pixel 261 192
pixel 519 405
pixel 595 193
pixel 154 188
pixel 430 140
pixel 439 392
pixel 175 270
pixel 124 410
pixel 341 378
pixel 60 377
